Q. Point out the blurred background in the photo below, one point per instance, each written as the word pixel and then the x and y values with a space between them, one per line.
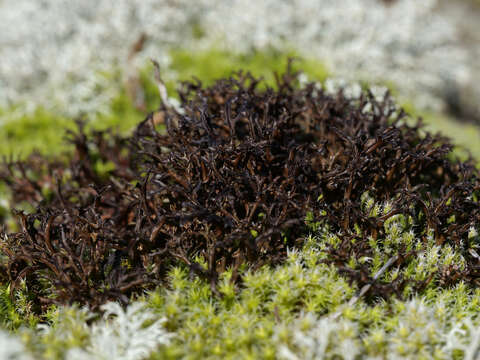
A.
pixel 60 59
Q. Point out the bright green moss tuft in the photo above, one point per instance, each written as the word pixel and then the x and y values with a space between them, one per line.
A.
pixel 18 313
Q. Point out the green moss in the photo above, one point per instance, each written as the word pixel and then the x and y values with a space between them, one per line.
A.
pixel 42 130
pixel 214 64
pixel 18 313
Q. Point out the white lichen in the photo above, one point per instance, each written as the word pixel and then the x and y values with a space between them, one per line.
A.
pixel 60 54
pixel 11 348
pixel 130 334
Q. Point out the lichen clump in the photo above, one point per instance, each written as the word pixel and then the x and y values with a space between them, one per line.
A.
pixel 234 177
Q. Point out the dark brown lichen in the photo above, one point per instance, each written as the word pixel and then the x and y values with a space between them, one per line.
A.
pixel 232 178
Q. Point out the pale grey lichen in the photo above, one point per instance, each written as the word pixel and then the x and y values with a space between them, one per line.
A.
pixel 416 329
pixel 61 54
pixel 131 334
pixel 11 348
